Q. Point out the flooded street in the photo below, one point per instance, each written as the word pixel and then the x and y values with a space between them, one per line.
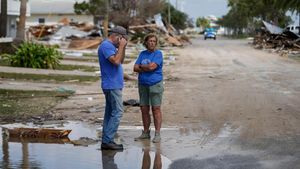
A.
pixel 38 154
pixel 173 84
pixel 225 105
pixel 181 148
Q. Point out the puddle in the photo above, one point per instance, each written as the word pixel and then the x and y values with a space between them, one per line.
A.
pixel 49 155
pixel 187 147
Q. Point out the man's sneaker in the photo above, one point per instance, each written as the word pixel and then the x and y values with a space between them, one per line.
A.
pixel 156 138
pixel 111 146
pixel 143 136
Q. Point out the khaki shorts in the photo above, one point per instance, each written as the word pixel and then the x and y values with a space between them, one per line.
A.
pixel 151 95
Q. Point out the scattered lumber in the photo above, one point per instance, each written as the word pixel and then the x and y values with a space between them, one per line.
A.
pixel 44 133
pixel 80 44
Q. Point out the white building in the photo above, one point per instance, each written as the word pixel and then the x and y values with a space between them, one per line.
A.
pixel 49 12
pixel 13 12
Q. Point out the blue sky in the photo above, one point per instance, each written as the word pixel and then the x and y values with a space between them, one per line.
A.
pixel 199 8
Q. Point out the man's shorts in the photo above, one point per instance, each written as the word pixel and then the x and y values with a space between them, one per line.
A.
pixel 151 95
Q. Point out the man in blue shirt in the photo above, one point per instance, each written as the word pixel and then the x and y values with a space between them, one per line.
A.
pixel 111 53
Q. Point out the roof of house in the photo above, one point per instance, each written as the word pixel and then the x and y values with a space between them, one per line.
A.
pixel 52 6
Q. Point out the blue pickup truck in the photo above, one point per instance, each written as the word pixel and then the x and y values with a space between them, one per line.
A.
pixel 210 33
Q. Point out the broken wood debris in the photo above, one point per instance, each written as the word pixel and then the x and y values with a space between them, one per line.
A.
pixel 81 36
pixel 279 41
pixel 80 44
pixel 37 133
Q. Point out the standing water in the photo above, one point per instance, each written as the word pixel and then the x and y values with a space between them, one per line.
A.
pixel 54 155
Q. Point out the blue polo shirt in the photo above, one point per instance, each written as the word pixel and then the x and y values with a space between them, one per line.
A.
pixel 111 75
pixel 150 78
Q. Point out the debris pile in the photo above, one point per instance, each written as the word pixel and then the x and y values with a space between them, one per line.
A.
pixel 82 36
pixel 167 37
pixel 78 35
pixel 277 39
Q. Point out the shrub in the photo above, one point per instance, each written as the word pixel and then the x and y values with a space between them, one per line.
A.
pixel 34 55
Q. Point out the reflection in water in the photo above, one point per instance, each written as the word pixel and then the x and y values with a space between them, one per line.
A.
pixel 34 153
pixel 147 160
pixel 108 159
pixel 25 162
pixel 5 152
pixel 25 154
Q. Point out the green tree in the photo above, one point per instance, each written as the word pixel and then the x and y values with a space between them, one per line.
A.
pixel 245 15
pixel 121 12
pixel 293 5
pixel 178 19
pixel 92 7
pixel 202 22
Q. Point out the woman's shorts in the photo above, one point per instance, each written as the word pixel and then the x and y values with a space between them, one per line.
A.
pixel 151 95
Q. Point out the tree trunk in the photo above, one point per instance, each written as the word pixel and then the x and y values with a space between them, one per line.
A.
pixel 3 18
pixel 299 22
pixel 22 20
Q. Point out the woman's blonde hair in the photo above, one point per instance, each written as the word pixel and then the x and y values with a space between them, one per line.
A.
pixel 148 36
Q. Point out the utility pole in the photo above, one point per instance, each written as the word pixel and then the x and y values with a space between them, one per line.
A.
pixel 299 22
pixel 105 23
pixel 169 12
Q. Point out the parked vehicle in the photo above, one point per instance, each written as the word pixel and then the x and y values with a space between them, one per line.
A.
pixel 210 33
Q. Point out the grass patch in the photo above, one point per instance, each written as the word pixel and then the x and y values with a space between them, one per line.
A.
pixel 78 67
pixel 82 59
pixel 48 78
pixel 83 68
pixel 90 55
pixel 20 104
pixel 4 63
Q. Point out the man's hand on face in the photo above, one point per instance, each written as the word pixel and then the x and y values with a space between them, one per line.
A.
pixel 122 42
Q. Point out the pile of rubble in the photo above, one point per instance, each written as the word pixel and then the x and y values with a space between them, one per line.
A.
pixel 87 36
pixel 277 40
pixel 167 36
pixel 78 35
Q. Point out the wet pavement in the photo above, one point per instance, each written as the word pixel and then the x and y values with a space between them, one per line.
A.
pixel 188 148
pixel 43 154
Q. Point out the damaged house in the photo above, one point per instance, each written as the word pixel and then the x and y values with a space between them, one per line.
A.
pixel 51 12
pixel 13 12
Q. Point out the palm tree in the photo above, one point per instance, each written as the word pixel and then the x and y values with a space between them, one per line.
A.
pixel 3 18
pixel 22 20
pixel 293 5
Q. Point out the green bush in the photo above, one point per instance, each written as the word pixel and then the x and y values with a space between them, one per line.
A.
pixel 34 55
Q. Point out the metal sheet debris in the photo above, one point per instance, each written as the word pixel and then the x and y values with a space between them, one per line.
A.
pixel 273 29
